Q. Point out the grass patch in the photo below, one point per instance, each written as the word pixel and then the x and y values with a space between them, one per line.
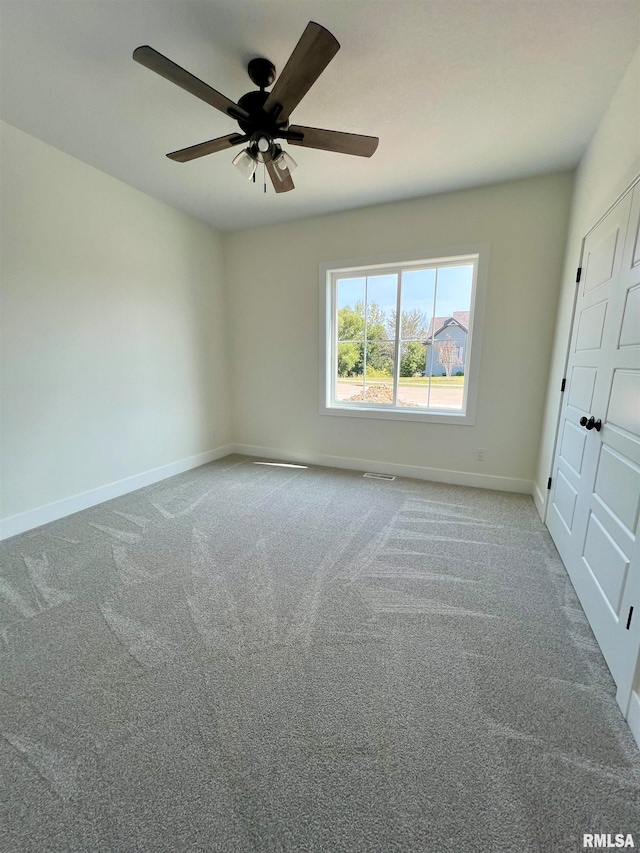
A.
pixel 408 381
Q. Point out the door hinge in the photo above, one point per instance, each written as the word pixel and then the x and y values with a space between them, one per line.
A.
pixel 578 274
pixel 629 618
pixel 549 483
pixel 562 387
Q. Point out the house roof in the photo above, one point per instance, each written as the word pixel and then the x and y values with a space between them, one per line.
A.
pixel 461 318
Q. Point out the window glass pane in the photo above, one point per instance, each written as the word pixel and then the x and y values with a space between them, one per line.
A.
pixel 418 288
pixel 379 371
pixel 454 291
pixel 413 387
pixel 349 369
pixel 447 352
pixel 350 295
pixel 418 291
pixel 382 293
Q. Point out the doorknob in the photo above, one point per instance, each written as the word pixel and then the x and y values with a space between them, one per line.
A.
pixel 591 423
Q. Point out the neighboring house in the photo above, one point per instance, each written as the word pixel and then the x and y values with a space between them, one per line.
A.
pixel 441 329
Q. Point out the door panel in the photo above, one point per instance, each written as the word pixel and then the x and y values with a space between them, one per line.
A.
pixel 564 500
pixel 624 402
pixel 591 327
pixel 634 240
pixel 572 449
pixel 630 331
pixel 618 487
pixel 607 563
pixel 601 259
pixel 581 387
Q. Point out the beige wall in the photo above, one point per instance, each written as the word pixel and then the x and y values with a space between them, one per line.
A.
pixel 113 341
pixel 272 281
pixel 609 164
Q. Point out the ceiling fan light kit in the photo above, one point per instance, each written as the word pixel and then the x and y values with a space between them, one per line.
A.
pixel 245 164
pixel 285 161
pixel 263 116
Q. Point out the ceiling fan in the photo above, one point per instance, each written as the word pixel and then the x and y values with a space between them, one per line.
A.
pixel 264 116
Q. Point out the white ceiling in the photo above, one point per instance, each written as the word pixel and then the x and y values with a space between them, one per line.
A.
pixel 460 93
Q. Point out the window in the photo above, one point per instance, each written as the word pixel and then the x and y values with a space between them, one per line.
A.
pixel 402 336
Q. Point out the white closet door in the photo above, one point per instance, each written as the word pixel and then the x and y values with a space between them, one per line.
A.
pixel 616 494
pixel 595 498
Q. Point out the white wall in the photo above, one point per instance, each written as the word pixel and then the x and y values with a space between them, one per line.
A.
pixel 114 350
pixel 609 164
pixel 272 280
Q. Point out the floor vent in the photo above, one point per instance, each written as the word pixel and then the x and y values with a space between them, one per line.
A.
pixel 379 476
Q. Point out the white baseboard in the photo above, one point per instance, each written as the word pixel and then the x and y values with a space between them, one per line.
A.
pixel 67 506
pixel 437 475
pixel 633 717
pixel 24 521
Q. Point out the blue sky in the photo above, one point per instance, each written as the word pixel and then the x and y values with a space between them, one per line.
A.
pixel 454 291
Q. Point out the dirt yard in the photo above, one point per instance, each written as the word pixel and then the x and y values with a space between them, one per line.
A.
pixel 446 398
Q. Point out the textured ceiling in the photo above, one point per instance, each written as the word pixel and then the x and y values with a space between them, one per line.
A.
pixel 460 93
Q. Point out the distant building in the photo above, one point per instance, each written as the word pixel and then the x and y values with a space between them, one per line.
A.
pixel 441 329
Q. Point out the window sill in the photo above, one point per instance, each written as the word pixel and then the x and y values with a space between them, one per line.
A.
pixel 399 414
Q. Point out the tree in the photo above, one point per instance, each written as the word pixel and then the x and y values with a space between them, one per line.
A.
pixel 380 357
pixel 413 327
pixel 350 354
pixel 413 332
pixel 350 359
pixel 350 324
pixel 351 330
pixel 376 321
pixel 448 355
pixel 413 358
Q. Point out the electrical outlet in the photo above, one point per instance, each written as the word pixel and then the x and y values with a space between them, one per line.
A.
pixel 480 454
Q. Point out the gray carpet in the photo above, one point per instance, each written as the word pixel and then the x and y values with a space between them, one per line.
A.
pixel 251 658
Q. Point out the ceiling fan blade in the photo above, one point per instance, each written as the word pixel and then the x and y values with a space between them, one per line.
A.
pixel 155 61
pixel 333 140
pixel 219 144
pixel 310 57
pixel 280 185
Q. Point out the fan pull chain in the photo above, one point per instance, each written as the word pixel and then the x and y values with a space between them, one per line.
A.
pixel 264 176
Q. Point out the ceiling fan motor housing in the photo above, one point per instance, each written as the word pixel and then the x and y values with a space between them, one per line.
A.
pixel 262 72
pixel 259 120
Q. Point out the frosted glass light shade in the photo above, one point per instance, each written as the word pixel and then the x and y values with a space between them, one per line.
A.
pixel 245 163
pixel 284 162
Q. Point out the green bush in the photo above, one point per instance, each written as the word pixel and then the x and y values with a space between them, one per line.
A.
pixel 413 359
pixel 373 373
pixel 350 359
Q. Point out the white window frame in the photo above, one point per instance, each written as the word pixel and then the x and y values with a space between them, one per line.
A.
pixel 450 256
